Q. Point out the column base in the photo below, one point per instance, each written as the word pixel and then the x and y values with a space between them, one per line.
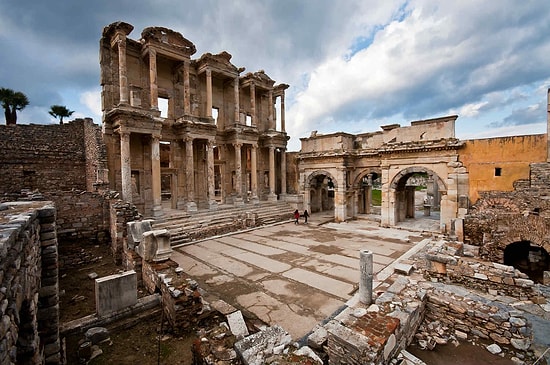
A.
pixel 181 204
pixel 213 205
pixel 238 201
pixel 157 211
pixel 272 197
pixel 191 207
pixel 255 200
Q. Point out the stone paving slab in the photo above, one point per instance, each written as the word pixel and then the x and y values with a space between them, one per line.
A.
pixel 321 282
pixel 295 276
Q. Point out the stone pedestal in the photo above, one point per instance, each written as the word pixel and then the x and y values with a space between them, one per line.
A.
pixel 191 207
pixel 427 210
pixel 155 246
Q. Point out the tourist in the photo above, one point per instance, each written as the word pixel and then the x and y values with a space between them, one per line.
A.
pixel 306 214
pixel 296 216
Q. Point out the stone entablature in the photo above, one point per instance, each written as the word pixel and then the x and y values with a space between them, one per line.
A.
pixel 220 129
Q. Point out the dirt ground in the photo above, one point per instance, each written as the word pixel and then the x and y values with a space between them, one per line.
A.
pixel 463 354
pixel 133 343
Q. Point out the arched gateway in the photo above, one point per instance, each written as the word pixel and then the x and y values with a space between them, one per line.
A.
pixel 410 168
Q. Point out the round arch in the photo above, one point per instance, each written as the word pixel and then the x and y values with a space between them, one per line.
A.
pixel 367 202
pixel 401 197
pixel 320 187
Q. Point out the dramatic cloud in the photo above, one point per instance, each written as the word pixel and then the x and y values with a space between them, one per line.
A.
pixel 352 65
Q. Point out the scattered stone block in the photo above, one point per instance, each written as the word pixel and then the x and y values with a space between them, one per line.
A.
pixel 494 349
pixel 308 352
pixel 237 324
pixel 97 334
pixel 404 269
pixel 255 348
pixel 115 292
pixel 317 338
pixel 223 307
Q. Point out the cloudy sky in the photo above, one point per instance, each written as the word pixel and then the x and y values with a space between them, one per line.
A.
pixel 352 65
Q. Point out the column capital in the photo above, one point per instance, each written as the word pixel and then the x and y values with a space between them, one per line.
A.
pixel 237 144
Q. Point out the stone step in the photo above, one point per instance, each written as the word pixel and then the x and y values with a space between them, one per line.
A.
pixel 186 227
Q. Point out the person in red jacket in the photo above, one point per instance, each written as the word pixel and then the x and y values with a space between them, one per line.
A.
pixel 296 216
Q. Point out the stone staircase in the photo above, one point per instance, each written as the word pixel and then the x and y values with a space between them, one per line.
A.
pixel 185 227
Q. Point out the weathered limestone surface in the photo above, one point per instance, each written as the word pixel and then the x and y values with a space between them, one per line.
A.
pixel 29 289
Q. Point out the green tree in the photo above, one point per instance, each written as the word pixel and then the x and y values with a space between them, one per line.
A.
pixel 60 111
pixel 12 101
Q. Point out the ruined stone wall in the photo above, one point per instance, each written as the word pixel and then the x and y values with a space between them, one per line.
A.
pixel 81 215
pixel 120 214
pixel 29 284
pixel 49 157
pixel 512 155
pixel 292 173
pixel 500 217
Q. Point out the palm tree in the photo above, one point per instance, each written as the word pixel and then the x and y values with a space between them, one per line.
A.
pixel 60 111
pixel 12 101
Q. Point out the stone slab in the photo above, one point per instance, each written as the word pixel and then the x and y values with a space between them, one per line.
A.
pixel 115 292
pixel 329 285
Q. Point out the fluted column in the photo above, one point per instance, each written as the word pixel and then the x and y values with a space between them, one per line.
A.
pixel 238 170
pixel 186 90
pixel 125 167
pixel 190 175
pixel 153 78
pixel 272 196
pixel 208 93
pixel 237 107
pixel 283 128
pixel 271 120
pixel 210 175
pixel 253 104
pixel 122 70
pixel 283 171
pixel 155 175
pixel 254 173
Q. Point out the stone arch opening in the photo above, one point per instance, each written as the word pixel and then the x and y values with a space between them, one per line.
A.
pixel 529 258
pixel 417 193
pixel 322 187
pixel 369 192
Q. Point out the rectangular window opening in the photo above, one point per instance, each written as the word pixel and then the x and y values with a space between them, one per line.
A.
pixel 498 171
pixel 163 107
pixel 215 113
pixel 249 120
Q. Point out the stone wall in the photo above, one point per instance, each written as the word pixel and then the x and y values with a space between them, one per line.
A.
pixel 29 294
pixel 502 217
pixel 81 215
pixel 49 157
pixel 120 214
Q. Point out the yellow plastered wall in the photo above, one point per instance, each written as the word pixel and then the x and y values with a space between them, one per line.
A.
pixel 512 155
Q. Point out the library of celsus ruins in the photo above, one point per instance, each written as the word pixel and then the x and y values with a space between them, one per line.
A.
pixel 220 141
pixel 189 187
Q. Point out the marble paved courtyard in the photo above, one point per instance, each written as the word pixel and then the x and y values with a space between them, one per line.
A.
pixel 295 276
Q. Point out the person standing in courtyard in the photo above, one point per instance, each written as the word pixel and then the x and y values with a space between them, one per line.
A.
pixel 306 215
pixel 296 216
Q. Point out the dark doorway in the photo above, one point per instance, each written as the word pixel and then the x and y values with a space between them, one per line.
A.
pixel 528 258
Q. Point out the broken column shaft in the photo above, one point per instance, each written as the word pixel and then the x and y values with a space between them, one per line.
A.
pixel 365 279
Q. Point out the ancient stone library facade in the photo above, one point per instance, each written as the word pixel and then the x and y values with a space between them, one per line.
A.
pixel 220 140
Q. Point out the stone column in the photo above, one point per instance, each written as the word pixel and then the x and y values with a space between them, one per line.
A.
pixel 186 90
pixel 283 128
pixel 368 198
pixel 153 79
pixel 238 174
pixel 190 175
pixel 272 196
pixel 254 172
pixel 237 107
pixel 208 93
pixel 125 167
pixel 271 120
pixel 283 171
pixel 340 212
pixel 365 279
pixel 212 204
pixel 155 175
pixel 122 70
pixel 253 104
